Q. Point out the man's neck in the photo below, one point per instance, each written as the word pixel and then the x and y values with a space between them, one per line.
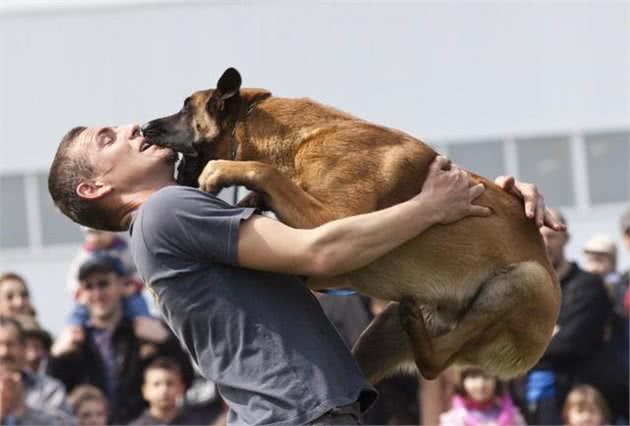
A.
pixel 132 202
pixel 164 414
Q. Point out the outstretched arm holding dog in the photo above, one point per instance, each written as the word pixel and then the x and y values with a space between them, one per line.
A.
pixel 350 243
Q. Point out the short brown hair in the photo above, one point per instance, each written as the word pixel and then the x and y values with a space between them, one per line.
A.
pixel 165 363
pixel 84 393
pixel 585 397
pixel 66 173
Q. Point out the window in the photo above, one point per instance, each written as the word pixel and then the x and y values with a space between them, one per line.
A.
pixel 13 225
pixel 547 163
pixel 483 158
pixel 56 228
pixel 608 156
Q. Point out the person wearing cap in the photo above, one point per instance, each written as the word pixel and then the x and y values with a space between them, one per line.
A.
pixel 106 353
pixel 100 243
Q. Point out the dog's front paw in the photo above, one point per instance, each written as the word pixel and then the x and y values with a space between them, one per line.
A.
pixel 409 313
pixel 214 176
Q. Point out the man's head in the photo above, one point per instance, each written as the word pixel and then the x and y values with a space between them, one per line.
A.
pixel 11 342
pixel 600 255
pixel 101 287
pixel 37 342
pixel 99 174
pixel 555 241
pixel 163 384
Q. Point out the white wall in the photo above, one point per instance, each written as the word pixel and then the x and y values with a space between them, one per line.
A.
pixel 438 70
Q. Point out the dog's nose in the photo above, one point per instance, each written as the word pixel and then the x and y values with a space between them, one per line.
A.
pixel 144 128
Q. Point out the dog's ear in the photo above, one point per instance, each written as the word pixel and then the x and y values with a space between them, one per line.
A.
pixel 228 86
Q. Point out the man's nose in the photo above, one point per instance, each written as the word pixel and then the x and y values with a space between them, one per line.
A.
pixel 133 131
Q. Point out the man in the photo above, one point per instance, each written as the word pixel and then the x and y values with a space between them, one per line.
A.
pixel 40 390
pixel 575 352
pixel 261 336
pixel 22 391
pixel 108 353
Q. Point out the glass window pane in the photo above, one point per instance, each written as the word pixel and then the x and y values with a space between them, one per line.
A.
pixel 607 157
pixel 547 163
pixel 13 226
pixel 484 158
pixel 56 228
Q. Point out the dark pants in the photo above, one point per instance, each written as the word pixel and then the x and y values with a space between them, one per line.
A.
pixel 345 415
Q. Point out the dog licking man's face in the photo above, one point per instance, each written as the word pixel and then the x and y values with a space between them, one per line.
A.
pixel 201 120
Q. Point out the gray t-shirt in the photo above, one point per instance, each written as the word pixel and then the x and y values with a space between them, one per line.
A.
pixel 261 337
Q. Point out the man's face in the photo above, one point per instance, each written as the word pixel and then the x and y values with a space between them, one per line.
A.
pixel 123 158
pixel 34 352
pixel 11 346
pixel 162 388
pixel 554 243
pixel 102 293
pixel 600 264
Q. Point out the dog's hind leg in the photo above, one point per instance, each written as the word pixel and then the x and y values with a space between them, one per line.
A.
pixel 383 347
pixel 493 332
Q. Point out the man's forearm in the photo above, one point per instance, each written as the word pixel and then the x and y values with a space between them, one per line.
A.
pixel 351 243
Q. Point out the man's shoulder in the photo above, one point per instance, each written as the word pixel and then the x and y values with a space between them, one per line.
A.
pixel 178 196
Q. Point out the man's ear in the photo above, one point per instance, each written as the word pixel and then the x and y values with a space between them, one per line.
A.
pixel 228 86
pixel 93 190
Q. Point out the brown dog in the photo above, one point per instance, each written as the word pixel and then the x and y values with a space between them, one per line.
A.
pixel 478 292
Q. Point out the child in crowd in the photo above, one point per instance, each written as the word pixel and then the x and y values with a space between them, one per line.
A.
pixel 585 406
pixel 164 389
pixel 15 299
pixel 102 243
pixel 480 400
pixel 89 405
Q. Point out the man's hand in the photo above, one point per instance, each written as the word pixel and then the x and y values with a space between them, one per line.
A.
pixel 451 192
pixel 534 202
pixel 11 394
pixel 69 340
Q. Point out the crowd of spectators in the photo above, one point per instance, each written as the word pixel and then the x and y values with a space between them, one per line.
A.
pixel 116 363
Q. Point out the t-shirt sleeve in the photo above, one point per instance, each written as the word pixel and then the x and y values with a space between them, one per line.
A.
pixel 190 224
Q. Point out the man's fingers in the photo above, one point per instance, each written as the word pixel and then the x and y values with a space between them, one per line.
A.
pixel 505 182
pixel 550 221
pixel 476 191
pixel 476 210
pixel 540 211
pixel 439 163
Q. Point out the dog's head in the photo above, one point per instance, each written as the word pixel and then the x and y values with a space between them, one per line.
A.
pixel 204 117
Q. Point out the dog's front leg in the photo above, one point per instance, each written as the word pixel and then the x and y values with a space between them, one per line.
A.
pixel 291 204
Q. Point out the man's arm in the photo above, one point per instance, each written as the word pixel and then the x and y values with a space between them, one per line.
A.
pixel 346 244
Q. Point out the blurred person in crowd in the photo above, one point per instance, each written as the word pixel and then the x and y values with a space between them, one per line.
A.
pixel 397 401
pixel 40 390
pixel 15 299
pixel 14 407
pixel 164 389
pixel 625 232
pixel 134 304
pixel 577 350
pixel 480 399
pixel 89 405
pixel 600 258
pixel 585 406
pixel 107 353
pixel 37 343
